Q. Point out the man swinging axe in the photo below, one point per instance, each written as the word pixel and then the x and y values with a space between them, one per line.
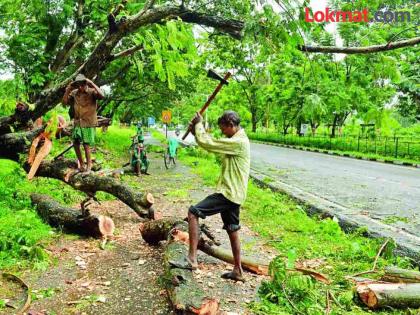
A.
pixel 231 187
pixel 82 94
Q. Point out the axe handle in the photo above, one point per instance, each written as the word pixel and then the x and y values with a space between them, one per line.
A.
pixel 62 153
pixel 210 99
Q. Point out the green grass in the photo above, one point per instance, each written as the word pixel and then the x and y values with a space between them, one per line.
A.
pixel 285 225
pixel 23 235
pixel 368 148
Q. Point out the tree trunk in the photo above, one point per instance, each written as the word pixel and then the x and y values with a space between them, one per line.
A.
pixel 397 295
pixel 394 274
pixel 155 231
pixel 334 125
pixel 65 170
pixel 71 219
pixel 185 293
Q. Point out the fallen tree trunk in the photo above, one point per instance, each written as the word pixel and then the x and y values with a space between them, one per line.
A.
pixel 185 293
pixel 394 274
pixel 66 171
pixel 71 219
pixel 159 230
pixel 397 295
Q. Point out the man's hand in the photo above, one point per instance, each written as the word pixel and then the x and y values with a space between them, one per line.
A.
pixel 197 118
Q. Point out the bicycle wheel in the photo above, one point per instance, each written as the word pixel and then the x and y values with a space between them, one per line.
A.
pixel 167 160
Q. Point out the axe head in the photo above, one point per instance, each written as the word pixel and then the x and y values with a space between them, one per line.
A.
pixel 213 75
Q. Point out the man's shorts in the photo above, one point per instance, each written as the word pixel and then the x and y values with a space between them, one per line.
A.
pixel 85 135
pixel 217 203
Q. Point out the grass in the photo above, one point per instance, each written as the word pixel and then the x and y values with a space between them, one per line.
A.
pixel 285 225
pixel 23 235
pixel 367 148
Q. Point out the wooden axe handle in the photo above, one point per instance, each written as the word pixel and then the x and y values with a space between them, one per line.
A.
pixel 210 99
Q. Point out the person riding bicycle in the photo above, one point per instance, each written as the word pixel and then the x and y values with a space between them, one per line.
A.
pixel 177 131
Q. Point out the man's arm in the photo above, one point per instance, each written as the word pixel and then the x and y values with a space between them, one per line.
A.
pixel 97 91
pixel 66 97
pixel 228 146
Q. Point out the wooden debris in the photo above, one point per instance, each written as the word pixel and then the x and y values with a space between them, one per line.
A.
pixel 27 303
pixel 155 231
pixel 71 219
pixel 184 291
pixel 397 295
pixel 394 274
pixel 65 170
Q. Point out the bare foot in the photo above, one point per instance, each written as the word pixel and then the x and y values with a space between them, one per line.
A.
pixel 233 276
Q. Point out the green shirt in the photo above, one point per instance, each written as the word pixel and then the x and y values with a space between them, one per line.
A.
pixel 233 180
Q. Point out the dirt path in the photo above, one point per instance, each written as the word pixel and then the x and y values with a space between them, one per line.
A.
pixel 125 278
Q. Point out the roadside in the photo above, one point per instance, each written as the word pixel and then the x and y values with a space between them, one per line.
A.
pixel 357 198
pixel 127 276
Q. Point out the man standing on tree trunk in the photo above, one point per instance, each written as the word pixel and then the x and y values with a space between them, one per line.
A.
pixel 82 94
pixel 231 187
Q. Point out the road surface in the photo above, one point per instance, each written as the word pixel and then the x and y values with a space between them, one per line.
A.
pixel 385 192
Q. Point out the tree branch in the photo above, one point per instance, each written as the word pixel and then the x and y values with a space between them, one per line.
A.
pixel 99 58
pixel 361 50
pixel 74 40
pixel 126 52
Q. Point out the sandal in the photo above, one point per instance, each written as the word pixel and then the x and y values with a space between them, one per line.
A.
pixel 232 276
pixel 185 264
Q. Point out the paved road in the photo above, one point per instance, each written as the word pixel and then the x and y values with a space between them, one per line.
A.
pixel 384 192
pixel 388 193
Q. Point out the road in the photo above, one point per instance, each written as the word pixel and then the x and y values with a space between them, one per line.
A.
pixel 385 192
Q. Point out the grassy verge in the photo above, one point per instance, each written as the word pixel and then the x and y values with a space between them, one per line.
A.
pixel 336 145
pixel 23 236
pixel 298 237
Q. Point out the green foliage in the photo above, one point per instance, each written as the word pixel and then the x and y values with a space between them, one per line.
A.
pixel 20 228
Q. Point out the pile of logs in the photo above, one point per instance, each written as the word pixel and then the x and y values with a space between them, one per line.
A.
pixel 398 288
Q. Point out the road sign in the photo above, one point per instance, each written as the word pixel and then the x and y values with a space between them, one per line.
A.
pixel 151 121
pixel 304 128
pixel 166 116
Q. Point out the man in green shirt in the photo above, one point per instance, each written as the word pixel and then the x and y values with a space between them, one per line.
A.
pixel 231 187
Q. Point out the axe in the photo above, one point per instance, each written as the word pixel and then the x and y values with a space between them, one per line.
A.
pixel 213 75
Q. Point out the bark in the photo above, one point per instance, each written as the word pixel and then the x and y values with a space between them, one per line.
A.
pixel 361 50
pixel 397 295
pixel 185 293
pixel 155 231
pixel 71 219
pixel 11 144
pixel 65 170
pixel 394 274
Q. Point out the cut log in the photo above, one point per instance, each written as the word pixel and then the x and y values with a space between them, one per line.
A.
pixel 223 254
pixel 185 293
pixel 394 274
pixel 397 295
pixel 66 171
pixel 71 219
pixel 159 230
